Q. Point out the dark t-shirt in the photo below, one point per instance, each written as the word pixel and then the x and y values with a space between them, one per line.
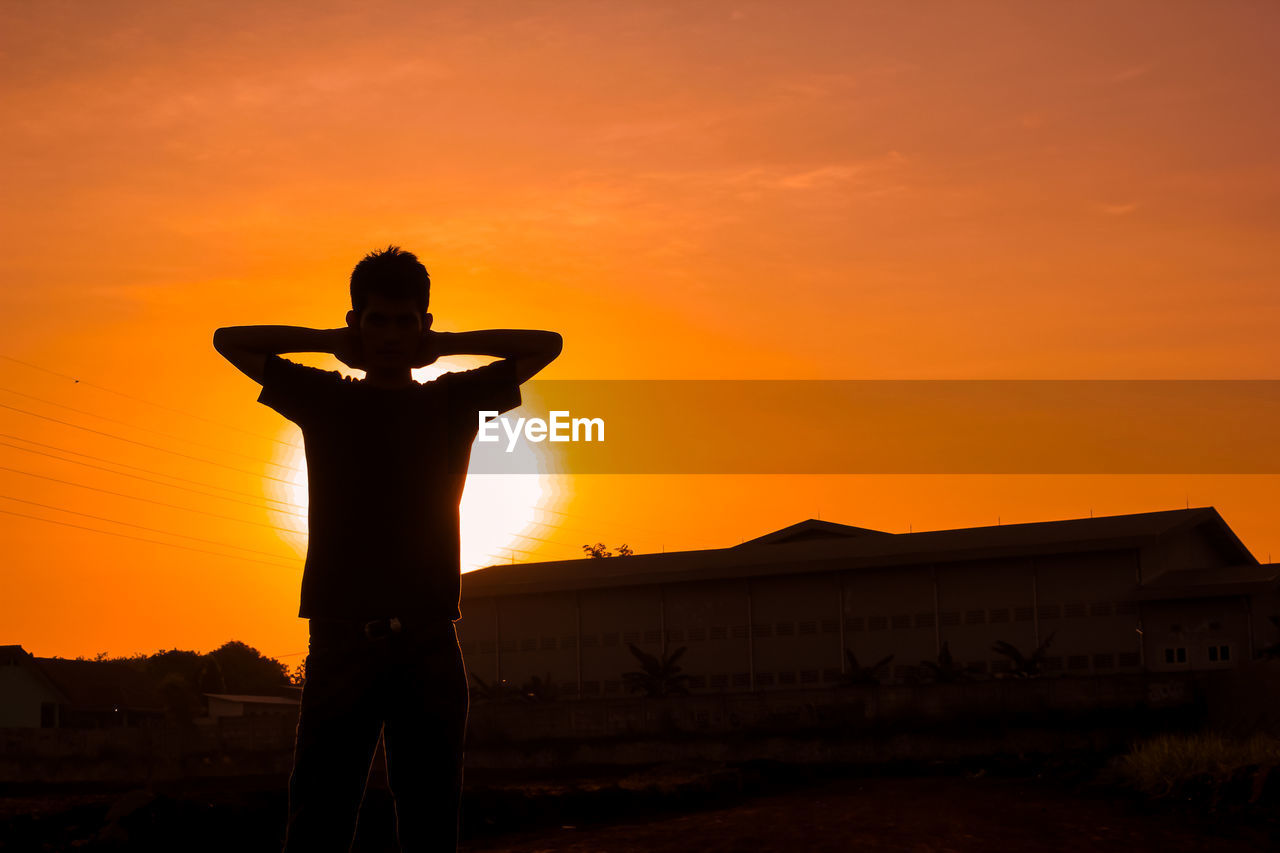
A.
pixel 385 473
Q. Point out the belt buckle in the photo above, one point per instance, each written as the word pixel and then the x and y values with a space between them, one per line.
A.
pixel 393 627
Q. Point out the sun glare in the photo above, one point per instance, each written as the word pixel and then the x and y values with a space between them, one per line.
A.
pixel 498 513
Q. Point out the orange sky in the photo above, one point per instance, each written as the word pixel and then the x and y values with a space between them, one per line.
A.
pixel 726 190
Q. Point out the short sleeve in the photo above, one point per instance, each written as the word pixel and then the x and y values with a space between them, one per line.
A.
pixel 492 388
pixel 296 391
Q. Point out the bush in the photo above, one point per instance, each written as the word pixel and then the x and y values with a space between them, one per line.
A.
pixel 1173 765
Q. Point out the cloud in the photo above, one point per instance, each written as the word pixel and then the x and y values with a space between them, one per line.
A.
pixel 1118 209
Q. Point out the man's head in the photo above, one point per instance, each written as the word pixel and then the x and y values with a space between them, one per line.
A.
pixel 390 290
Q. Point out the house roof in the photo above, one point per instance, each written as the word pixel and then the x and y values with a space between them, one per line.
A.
pixel 814 545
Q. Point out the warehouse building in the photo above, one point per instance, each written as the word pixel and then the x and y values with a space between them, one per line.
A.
pixel 1156 592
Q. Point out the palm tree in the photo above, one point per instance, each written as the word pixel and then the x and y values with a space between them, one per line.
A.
pixel 946 670
pixel 1023 667
pixel 539 689
pixel 658 676
pixel 499 691
pixel 857 675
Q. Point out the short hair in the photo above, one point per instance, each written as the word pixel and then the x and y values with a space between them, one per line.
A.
pixel 393 273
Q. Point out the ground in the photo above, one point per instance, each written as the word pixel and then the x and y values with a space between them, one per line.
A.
pixel 919 815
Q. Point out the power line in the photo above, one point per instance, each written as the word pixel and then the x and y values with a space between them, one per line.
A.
pixel 145 429
pixel 143 539
pixel 154 447
pixel 150 501
pixel 148 402
pixel 148 479
pixel 141 527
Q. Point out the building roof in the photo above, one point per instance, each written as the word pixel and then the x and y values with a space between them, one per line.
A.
pixel 1206 583
pixel 815 545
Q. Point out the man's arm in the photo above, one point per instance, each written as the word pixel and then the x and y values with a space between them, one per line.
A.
pixel 531 349
pixel 247 347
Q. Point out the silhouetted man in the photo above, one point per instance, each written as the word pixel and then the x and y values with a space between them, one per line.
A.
pixel 387 459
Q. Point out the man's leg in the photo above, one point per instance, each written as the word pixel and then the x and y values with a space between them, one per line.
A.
pixel 338 727
pixel 426 722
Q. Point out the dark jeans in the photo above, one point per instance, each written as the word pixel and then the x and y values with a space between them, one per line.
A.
pixel 411 687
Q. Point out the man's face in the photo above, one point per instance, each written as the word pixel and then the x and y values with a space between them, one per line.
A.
pixel 391 330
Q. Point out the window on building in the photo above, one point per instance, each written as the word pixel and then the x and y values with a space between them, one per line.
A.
pixel 786 678
pixel 975 617
pixel 1077 662
pixel 740 632
pixel 830 674
pixel 877 623
pixel 590 641
pixel 590 688
pixel 1128 659
pixel 761 629
pixel 949 618
pixel 719 632
pixel 1219 653
pixel 855 623
pixel 1050 611
pixel 1076 610
pixel 508 645
pixel 698 682
pixel 1176 654
pixel 786 629
pixel 719 681
pixel 901 621
pixel 999 614
pixel 697 635
pixel 1024 613
pixel 569 641
pixel 675 635
pixel 631 637
pixel 610 639
pixel 548 643
pixel 529 644
pixel 612 686
pixel 764 679
pixel 806 628
pixel 924 620
pixel 48 715
pixel 1102 608
pixel 1104 660
pixel 830 626
pixel 742 679
pixel 809 676
pixel 653 636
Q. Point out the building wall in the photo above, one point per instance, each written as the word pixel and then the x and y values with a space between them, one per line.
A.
pixel 22 693
pixel 1194 633
pixel 1080 602
pixel 786 631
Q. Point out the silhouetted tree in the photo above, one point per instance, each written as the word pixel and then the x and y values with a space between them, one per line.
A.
pixel 1023 667
pixel 245 670
pixel 945 670
pixel 861 676
pixel 599 550
pixel 658 676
